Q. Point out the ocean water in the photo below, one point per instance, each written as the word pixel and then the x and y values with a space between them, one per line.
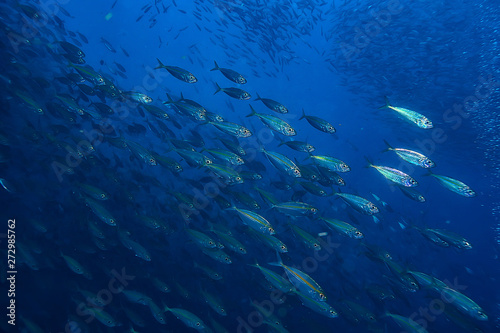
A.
pixel 118 216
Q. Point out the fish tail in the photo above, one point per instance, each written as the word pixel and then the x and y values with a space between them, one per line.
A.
pixel 389 147
pixel 216 66
pixel 429 173
pixel 370 164
pixel 170 100
pixel 258 98
pixel 387 104
pixel 253 113
pixel 277 263
pixel 303 114
pixel 160 65
pixel 218 88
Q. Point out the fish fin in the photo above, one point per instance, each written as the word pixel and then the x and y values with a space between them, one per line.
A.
pixel 253 113
pixel 216 66
pixel 160 65
pixel 218 88
pixel 387 104
pixel 182 97
pixel 303 114
pixel 258 98
pixel 389 147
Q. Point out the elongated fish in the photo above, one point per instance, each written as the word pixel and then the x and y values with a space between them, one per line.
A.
pixel 412 116
pixel 274 123
pixel 178 72
pixel 411 156
pixel 394 175
pixel 273 105
pixel 454 185
pixel 234 92
pixel 230 74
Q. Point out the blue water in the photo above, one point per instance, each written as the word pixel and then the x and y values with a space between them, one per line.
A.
pixel 336 60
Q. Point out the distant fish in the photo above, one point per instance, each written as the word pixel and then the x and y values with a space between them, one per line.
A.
pixel 273 105
pixel 108 45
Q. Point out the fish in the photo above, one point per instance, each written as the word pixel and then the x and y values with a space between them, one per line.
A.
pixel 178 73
pixel 272 105
pixel 343 228
pixel 188 318
pixel 295 208
pixel 236 93
pixel 330 163
pixel 102 213
pixel 406 323
pixel 412 193
pixel 396 176
pixel 358 203
pixel 254 220
pixel 275 279
pixel 409 115
pixel 298 146
pixel 230 74
pixel 454 185
pixel 274 123
pixel 282 163
pixel 318 123
pixel 232 129
pixel 411 156
pixel 108 45
pixel 302 282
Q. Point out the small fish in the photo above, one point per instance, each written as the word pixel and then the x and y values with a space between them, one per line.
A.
pixel 412 116
pixel 451 238
pixel 295 208
pixel 273 105
pixel 318 123
pixel 229 176
pixel 302 282
pixel 230 74
pixel 358 203
pixel 282 163
pixel 254 220
pixel 330 163
pixel 108 45
pixel 298 146
pixel 200 238
pixel 407 323
pixel 76 267
pixel 232 129
pixel 412 193
pixel 454 185
pixel 138 97
pixel 320 307
pixel 225 156
pixel 274 123
pixel 412 157
pixel 309 240
pixel 234 92
pixel 396 176
pixel 140 152
pixel 275 279
pixel 178 72
pixel 102 213
pixel 343 228
pixel 94 192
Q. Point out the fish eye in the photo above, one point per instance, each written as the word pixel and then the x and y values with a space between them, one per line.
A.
pixel 152 161
pixel 283 247
pixel 270 230
pixel 421 198
pixel 198 323
pixel 313 210
pixel 103 195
